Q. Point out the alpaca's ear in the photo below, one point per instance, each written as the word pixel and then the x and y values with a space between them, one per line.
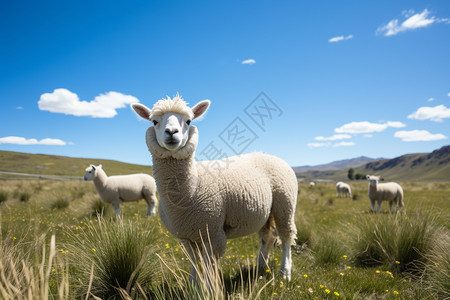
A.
pixel 100 166
pixel 367 177
pixel 200 108
pixel 93 167
pixel 142 110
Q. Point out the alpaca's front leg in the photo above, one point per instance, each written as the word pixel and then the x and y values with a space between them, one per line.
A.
pixel 151 210
pixel 378 206
pixel 151 205
pixel 372 205
pixel 116 205
pixel 192 257
pixel 286 262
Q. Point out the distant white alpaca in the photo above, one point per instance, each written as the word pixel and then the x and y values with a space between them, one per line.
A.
pixel 343 190
pixel 231 198
pixel 389 191
pixel 123 188
pixel 312 184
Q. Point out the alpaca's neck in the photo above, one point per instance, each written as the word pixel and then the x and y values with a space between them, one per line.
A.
pixel 100 179
pixel 176 179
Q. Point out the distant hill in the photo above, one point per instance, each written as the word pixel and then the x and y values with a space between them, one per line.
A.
pixel 335 165
pixel 419 166
pixel 414 167
pixel 62 165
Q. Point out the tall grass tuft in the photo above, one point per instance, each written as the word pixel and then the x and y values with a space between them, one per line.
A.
pixel 23 276
pixel 304 233
pixel 24 197
pixel 438 266
pixel 398 241
pixel 4 195
pixel 114 255
pixel 210 282
pixel 328 250
pixel 99 208
pixel 60 203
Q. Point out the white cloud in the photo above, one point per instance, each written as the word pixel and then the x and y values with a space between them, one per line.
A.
pixel 340 38
pixel 344 144
pixel 333 137
pixel 436 114
pixel 16 140
pixel 418 136
pixel 431 99
pixel 367 127
pixel 448 94
pixel 368 135
pixel 66 102
pixel 19 107
pixel 412 22
pixel 317 145
pixel 250 61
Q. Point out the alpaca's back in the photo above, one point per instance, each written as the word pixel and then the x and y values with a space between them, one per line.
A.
pixel 251 187
pixel 131 187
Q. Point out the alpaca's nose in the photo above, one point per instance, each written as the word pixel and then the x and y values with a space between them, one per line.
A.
pixel 171 132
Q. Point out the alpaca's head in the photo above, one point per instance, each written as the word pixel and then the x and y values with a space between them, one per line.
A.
pixel 171 120
pixel 91 172
pixel 373 180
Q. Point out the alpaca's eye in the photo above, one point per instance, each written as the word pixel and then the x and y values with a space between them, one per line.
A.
pixel 155 122
pixel 188 122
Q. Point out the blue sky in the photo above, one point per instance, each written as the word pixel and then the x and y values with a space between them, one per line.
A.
pixel 308 81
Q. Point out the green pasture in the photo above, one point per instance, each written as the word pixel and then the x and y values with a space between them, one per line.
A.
pixel 342 251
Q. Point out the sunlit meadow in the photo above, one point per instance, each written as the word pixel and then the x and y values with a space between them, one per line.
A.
pixel 342 251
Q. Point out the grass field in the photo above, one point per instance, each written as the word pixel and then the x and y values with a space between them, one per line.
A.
pixel 342 251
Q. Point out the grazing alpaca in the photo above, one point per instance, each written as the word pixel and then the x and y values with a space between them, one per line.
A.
pixel 389 191
pixel 343 190
pixel 242 195
pixel 123 188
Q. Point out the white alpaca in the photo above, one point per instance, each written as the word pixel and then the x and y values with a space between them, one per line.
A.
pixel 312 184
pixel 343 190
pixel 235 197
pixel 389 191
pixel 123 188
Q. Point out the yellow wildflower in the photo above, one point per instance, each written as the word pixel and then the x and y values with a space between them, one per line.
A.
pixel 281 283
pixel 167 245
pixel 93 249
pixel 275 294
pixel 344 256
pixel 268 271
pixel 336 293
pixel 395 292
pixel 305 275
pixel 348 268
pixel 397 262
pixel 321 286
pixel 342 274
pixel 378 271
pixel 327 291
